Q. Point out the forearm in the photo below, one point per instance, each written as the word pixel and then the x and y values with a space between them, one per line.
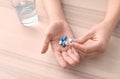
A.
pixel 113 13
pixel 54 10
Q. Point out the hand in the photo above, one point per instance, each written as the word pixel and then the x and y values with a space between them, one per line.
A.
pixel 95 41
pixel 65 55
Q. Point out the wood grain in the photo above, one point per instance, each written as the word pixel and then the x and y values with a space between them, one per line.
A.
pixel 20 56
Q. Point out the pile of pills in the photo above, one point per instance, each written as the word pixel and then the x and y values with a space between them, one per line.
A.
pixel 63 41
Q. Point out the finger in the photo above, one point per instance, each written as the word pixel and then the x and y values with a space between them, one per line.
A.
pixel 76 53
pixel 72 55
pixel 45 45
pixel 84 38
pixel 60 59
pixel 87 48
pixel 92 47
pixel 68 59
pixel 78 46
pixel 91 55
pixel 81 52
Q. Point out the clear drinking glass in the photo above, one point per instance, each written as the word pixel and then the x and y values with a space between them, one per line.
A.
pixel 26 10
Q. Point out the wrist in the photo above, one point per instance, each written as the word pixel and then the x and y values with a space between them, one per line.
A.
pixel 62 22
pixel 104 27
pixel 58 20
pixel 112 22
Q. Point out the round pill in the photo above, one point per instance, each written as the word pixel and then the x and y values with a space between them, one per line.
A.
pixel 71 40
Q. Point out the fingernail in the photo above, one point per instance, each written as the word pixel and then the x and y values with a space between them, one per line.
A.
pixel 42 52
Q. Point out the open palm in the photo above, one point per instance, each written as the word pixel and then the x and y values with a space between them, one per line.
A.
pixel 66 54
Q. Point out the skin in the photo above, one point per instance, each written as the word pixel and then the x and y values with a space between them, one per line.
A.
pixel 91 44
pixel 95 41
pixel 57 28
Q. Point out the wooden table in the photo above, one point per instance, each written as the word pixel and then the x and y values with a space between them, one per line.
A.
pixel 20 56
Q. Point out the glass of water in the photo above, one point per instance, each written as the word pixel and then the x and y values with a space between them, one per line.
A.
pixel 26 10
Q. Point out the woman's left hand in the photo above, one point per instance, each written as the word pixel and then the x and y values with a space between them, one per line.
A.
pixel 94 41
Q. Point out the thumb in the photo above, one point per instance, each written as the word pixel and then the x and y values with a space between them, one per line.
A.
pixel 84 38
pixel 45 45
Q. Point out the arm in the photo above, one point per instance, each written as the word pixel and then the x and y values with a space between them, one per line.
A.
pixel 113 13
pixel 58 28
pixel 95 41
pixel 54 10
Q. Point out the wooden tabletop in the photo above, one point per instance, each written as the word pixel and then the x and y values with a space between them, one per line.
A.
pixel 20 56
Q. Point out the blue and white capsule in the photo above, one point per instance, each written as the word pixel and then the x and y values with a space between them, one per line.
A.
pixel 71 40
pixel 61 39
pixel 60 42
pixel 64 38
pixel 63 42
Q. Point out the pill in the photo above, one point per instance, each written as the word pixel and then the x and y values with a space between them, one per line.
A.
pixel 71 40
pixel 60 42
pixel 65 38
pixel 66 43
pixel 63 44
pixel 61 39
